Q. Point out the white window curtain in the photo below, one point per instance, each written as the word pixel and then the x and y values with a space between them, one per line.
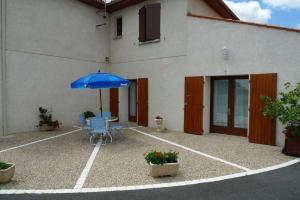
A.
pixel 220 117
pixel 241 103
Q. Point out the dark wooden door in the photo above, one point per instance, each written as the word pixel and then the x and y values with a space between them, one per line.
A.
pixel 132 101
pixel 193 105
pixel 229 105
pixel 143 102
pixel 262 130
pixel 114 102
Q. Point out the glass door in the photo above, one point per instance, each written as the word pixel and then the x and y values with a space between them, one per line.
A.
pixel 220 103
pixel 241 92
pixel 229 105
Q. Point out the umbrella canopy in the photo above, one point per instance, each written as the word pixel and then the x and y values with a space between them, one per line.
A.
pixel 100 80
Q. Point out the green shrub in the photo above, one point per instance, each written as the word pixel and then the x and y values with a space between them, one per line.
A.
pixel 4 165
pixel 160 158
pixel 45 117
pixel 286 108
pixel 88 114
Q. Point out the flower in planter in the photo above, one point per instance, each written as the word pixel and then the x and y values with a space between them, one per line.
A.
pixel 7 171
pixel 4 165
pixel 160 158
pixel 158 117
pixel 157 154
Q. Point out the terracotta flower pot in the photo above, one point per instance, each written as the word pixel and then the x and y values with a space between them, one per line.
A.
pixel 46 127
pixel 168 169
pixel 292 146
pixel 7 174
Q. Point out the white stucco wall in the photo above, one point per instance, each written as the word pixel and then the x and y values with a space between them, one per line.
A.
pixel 52 42
pixel 158 61
pixel 198 52
pixel 199 7
pixel 252 50
pixel 173 34
pixel 49 44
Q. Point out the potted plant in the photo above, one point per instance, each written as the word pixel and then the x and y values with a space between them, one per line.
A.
pixel 159 123
pixel 7 171
pixel 88 114
pixel 287 109
pixel 46 123
pixel 162 163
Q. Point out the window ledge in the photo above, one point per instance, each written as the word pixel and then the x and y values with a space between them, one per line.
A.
pixel 117 37
pixel 149 42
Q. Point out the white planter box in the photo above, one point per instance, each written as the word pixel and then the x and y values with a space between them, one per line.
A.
pixel 7 174
pixel 160 125
pixel 169 169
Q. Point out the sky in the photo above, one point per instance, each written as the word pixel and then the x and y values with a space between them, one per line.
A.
pixel 284 13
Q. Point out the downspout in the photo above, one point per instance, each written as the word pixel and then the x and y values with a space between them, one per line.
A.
pixel 3 101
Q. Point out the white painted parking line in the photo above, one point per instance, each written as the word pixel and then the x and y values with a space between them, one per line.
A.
pixel 192 150
pixel 128 128
pixel 271 168
pixel 38 141
pixel 81 180
pixel 153 186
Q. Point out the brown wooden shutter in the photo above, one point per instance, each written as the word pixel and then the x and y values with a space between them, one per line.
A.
pixel 152 21
pixel 142 24
pixel 143 102
pixel 193 105
pixel 114 102
pixel 262 130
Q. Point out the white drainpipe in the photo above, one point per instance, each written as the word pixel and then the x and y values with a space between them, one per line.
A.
pixel 3 123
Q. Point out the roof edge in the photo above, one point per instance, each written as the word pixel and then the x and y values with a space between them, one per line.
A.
pixel 246 23
pixel 115 6
pixel 93 3
pixel 220 7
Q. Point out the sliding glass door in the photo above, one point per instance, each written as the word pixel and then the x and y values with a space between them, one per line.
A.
pixel 229 105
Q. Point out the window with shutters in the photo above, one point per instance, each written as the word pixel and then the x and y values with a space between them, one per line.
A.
pixel 149 23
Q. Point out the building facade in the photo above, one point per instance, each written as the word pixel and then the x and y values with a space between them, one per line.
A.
pixel 192 62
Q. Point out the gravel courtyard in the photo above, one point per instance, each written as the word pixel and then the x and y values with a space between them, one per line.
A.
pixel 56 160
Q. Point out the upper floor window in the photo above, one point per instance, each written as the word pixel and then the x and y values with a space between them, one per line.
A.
pixel 119 27
pixel 149 22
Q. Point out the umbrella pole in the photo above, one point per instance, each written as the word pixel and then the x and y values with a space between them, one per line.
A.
pixel 100 101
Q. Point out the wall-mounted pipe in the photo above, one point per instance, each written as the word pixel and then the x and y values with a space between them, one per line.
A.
pixel 3 118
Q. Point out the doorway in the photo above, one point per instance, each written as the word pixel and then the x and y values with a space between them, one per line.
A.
pixel 114 101
pixel 229 105
pixel 132 101
pixel 193 105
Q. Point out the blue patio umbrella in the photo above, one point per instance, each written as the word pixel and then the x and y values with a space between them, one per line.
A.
pixel 100 80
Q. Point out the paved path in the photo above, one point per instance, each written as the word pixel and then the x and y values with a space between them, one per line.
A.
pixel 279 184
